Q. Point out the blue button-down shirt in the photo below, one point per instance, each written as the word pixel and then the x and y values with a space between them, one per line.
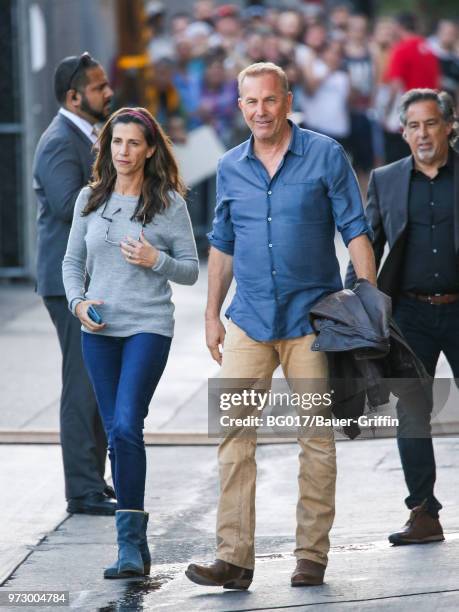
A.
pixel 280 231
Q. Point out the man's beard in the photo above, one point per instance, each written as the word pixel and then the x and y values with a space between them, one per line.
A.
pixel 426 156
pixel 92 112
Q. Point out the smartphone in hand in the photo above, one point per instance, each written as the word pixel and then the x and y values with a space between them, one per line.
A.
pixel 94 315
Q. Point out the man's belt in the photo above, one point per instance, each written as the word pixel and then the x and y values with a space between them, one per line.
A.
pixel 436 298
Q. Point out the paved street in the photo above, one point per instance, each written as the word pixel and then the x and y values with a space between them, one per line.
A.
pixel 42 548
pixel 364 570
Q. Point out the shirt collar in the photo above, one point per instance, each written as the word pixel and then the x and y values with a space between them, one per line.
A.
pixel 81 123
pixel 295 146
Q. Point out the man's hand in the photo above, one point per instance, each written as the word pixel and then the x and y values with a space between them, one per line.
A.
pixel 81 311
pixel 220 271
pixel 139 252
pixel 215 337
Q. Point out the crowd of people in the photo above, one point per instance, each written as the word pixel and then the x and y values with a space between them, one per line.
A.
pixel 347 73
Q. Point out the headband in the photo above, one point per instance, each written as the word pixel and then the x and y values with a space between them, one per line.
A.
pixel 143 118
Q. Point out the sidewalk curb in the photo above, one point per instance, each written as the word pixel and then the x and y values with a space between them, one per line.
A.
pixel 182 438
pixel 151 439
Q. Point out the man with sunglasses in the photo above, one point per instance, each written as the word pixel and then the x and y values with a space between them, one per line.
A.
pixel 62 166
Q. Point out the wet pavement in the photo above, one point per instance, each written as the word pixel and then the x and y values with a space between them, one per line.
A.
pixel 364 571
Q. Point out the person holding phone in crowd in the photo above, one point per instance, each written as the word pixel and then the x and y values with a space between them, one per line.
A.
pixel 132 233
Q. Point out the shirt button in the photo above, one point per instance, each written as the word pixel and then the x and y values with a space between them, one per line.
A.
pixel 270 245
pixel 433 226
pixel 434 250
pixel 436 275
pixel 269 192
pixel 274 272
pixel 431 203
pixel 269 218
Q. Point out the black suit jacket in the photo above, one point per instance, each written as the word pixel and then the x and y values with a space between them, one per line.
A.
pixel 62 167
pixel 387 213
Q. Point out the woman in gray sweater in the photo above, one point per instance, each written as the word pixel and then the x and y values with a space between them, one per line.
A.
pixel 131 234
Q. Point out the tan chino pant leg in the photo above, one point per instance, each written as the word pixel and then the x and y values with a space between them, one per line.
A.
pixel 317 458
pixel 242 358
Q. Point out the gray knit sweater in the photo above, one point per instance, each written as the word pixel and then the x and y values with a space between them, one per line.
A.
pixel 136 299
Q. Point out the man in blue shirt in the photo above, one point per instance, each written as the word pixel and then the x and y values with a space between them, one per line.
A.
pixel 280 196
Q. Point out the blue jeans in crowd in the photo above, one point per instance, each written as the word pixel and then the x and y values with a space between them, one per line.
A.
pixel 429 329
pixel 124 373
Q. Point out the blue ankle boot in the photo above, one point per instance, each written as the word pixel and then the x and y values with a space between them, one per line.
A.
pixel 131 528
pixel 144 550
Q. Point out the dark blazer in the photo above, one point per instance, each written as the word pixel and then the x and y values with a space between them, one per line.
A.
pixel 387 213
pixel 62 166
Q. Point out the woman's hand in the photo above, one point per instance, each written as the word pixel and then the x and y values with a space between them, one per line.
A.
pixel 139 252
pixel 81 311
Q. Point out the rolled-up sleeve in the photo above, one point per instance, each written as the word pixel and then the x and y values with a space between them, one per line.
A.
pixel 344 193
pixel 222 235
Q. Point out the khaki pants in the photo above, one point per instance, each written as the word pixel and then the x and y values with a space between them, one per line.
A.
pixel 244 357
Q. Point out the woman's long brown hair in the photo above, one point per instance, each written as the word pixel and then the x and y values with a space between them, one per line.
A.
pixel 161 174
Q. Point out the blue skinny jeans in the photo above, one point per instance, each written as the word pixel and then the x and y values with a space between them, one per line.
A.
pixel 124 373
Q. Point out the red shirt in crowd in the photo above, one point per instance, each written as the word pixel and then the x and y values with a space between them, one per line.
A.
pixel 414 64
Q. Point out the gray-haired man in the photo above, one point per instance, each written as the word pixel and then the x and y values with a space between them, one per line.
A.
pixel 283 260
pixel 413 205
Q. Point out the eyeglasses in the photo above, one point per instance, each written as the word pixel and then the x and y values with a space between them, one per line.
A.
pixel 110 219
pixel 83 62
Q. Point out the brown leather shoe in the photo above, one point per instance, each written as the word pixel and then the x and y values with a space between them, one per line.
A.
pixel 420 528
pixel 308 573
pixel 220 573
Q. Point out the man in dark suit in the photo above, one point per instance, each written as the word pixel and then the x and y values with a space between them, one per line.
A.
pixel 62 166
pixel 413 205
